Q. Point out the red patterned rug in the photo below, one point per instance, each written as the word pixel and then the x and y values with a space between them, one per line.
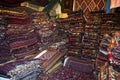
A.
pixel 89 5
pixel 66 73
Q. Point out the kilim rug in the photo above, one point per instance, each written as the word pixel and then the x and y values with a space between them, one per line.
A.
pixel 89 5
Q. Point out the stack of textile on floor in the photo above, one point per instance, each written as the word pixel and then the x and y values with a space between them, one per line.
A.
pixel 90 40
pixel 3 27
pixel 4 47
pixel 114 51
pixel 46 29
pixel 74 69
pixel 5 52
pixel 109 26
pixel 76 29
pixel 102 56
pixel 101 60
pixel 20 33
pixel 21 70
pixel 110 17
pixel 73 26
pixel 110 23
pixel 60 45
pixel 51 55
pixel 107 72
pixel 90 43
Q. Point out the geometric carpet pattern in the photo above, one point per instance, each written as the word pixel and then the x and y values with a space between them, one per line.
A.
pixel 89 5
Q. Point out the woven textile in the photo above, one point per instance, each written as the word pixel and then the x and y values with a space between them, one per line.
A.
pixel 2 30
pixel 89 5
pixel 21 70
pixel 74 69
pixel 69 74
pixel 80 65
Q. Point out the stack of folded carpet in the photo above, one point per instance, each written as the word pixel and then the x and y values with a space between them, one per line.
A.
pixel 115 51
pixel 5 52
pixel 39 19
pixel 4 47
pixel 45 27
pixel 3 27
pixel 51 55
pixel 20 34
pixel 27 35
pixel 101 60
pixel 73 26
pixel 55 56
pixel 102 57
pixel 105 44
pixel 74 69
pixel 109 25
pixel 90 40
pixel 110 43
pixel 67 73
pixel 21 70
pixel 110 17
pixel 63 28
pixel 94 17
pixel 60 45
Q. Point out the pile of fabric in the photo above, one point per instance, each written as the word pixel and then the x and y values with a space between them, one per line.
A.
pixel 21 70
pixel 3 27
pixel 27 37
pixel 60 45
pixel 46 29
pixel 105 43
pixel 114 49
pixel 5 52
pixel 74 69
pixel 94 17
pixel 73 26
pixel 20 33
pixel 52 55
pixel 109 49
pixel 90 40
pixel 110 17
pixel 110 25
pixel 4 47
pixel 102 57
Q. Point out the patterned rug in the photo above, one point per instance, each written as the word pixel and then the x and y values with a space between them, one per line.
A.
pixel 89 5
pixel 66 73
pixel 74 69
